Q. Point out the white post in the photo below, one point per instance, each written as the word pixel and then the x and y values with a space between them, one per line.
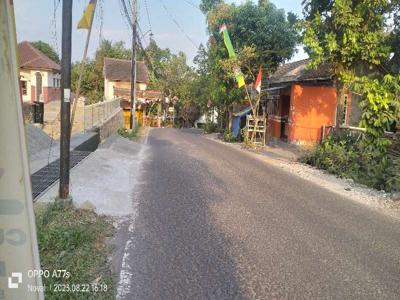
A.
pixel 18 244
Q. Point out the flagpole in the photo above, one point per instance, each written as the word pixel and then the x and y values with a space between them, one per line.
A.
pixel 82 67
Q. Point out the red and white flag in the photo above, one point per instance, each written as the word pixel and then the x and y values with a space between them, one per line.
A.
pixel 257 84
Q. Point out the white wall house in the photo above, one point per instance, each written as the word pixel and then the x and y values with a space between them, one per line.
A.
pixel 40 77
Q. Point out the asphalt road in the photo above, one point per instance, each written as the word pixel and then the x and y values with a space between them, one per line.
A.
pixel 215 223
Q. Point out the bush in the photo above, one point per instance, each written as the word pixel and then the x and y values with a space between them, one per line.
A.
pixel 229 137
pixel 210 127
pixel 349 157
pixel 128 133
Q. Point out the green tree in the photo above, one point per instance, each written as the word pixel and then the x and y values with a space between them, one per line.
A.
pixel 207 5
pixel 270 32
pixel 348 36
pixel 47 50
pixel 155 58
pixel 92 86
pixel 262 35
pixel 113 50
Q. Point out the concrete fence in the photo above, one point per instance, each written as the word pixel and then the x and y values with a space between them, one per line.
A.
pixel 98 113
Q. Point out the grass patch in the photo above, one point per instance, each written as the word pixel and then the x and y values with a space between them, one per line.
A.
pixel 131 134
pixel 75 240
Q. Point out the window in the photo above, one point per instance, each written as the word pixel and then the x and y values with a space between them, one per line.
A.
pixel 56 82
pixel 24 88
pixel 345 108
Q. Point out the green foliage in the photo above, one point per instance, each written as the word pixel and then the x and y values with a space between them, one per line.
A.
pixel 353 37
pixel 346 33
pixel 262 35
pixel 349 36
pixel 92 85
pixel 210 127
pixel 75 241
pixel 380 106
pixel 190 112
pixel 131 134
pixel 207 5
pixel 263 28
pixel 228 137
pixel 47 50
pixel 351 157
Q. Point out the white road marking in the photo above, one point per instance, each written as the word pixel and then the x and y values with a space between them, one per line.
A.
pixel 125 276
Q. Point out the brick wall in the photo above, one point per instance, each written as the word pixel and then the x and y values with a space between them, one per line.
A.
pixel 51 94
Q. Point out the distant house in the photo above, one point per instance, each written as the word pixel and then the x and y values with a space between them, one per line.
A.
pixel 301 101
pixel 40 76
pixel 117 77
pixel 117 83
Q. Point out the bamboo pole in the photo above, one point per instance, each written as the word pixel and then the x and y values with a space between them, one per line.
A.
pixel 81 69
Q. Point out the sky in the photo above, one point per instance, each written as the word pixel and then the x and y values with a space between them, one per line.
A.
pixel 41 20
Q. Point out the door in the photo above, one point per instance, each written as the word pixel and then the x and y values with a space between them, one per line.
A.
pixel 38 86
pixel 285 102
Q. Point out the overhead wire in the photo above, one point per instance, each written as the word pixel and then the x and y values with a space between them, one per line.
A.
pixel 192 4
pixel 148 16
pixel 177 24
pixel 127 17
pixel 100 18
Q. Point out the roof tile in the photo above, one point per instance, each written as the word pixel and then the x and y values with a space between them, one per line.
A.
pixel 298 71
pixel 32 58
pixel 120 69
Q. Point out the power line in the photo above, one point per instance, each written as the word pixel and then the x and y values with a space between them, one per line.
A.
pixel 125 14
pixel 177 24
pixel 192 4
pixel 100 18
pixel 56 4
pixel 141 32
pixel 148 15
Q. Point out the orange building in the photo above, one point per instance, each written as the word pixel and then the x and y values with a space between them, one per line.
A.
pixel 301 102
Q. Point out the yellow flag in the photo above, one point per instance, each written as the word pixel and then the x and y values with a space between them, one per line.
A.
pixel 87 17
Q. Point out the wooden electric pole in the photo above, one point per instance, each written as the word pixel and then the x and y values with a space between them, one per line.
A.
pixel 65 99
pixel 133 71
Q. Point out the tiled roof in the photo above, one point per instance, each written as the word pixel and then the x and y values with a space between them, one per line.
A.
pixel 298 72
pixel 32 58
pixel 120 69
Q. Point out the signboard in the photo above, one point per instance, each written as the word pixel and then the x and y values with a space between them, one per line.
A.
pixel 18 246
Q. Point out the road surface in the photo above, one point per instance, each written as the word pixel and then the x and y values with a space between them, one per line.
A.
pixel 215 223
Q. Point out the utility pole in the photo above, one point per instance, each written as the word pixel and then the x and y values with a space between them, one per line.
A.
pixel 65 99
pixel 133 71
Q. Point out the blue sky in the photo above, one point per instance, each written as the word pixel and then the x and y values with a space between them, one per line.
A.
pixel 35 21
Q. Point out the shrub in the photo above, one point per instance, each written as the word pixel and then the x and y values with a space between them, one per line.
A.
pixel 229 137
pixel 128 133
pixel 350 157
pixel 210 127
